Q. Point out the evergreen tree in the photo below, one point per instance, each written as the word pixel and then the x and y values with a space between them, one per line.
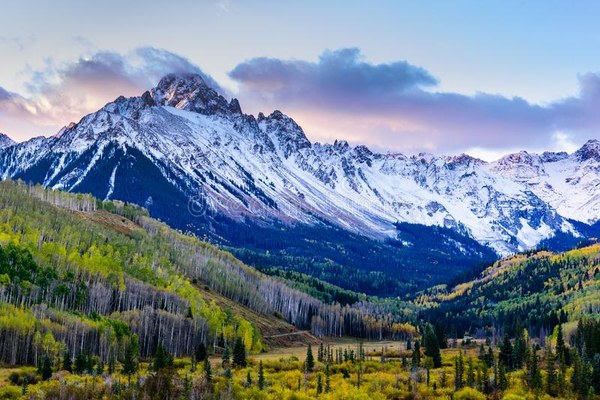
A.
pixel 225 357
pixel 441 335
pixel 596 373
pixel 319 384
pixel 327 378
pixel 459 371
pixel 161 359
pixel 67 362
pixel 207 371
pixel 579 340
pixel 80 364
pixel 239 353
pixel 470 373
pixel 581 378
pixel 321 353
pixel 551 376
pixel 506 354
pixel 100 367
pixel 131 363
pixel 201 352
pixel 561 350
pixel 432 347
pixel 90 363
pixel 416 356
pixel 485 379
pixel 520 350
pixel 248 379
pixel 310 360
pixel 489 357
pixel 261 376
pixel 112 364
pixel 534 376
pixel 502 379
pixel 46 367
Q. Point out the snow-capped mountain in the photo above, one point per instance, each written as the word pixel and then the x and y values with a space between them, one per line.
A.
pixel 569 183
pixel 183 147
pixel 5 141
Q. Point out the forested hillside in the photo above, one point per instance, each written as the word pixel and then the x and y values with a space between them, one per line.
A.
pixel 536 290
pixel 84 275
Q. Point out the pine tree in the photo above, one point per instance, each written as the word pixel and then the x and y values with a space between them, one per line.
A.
pixel 489 357
pixel 162 359
pixel 310 360
pixel 485 376
pixel 239 353
pixel 46 367
pixel 80 363
pixel 432 347
pixel 131 363
pixel 67 362
pixel 520 351
pixel 320 353
pixel 226 357
pixel 416 356
pixel 551 377
pixel 506 353
pixel 579 340
pixel 561 349
pixel 581 378
pixel 534 375
pixel 248 379
pixel 327 378
pixel 201 352
pixel 100 368
pixel 470 373
pixel 596 373
pixel 459 370
pixel 112 364
pixel 319 384
pixel 261 376
pixel 90 363
pixel 207 371
pixel 502 379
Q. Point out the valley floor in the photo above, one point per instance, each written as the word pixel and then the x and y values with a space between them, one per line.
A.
pixel 353 371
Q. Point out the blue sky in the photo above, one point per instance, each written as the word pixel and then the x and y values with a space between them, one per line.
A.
pixel 477 56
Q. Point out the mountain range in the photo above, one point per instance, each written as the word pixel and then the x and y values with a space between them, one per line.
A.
pixel 195 160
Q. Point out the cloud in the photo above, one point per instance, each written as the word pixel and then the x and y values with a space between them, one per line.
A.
pixel 63 93
pixel 396 106
pixel 340 74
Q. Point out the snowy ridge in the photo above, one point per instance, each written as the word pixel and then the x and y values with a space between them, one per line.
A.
pixel 5 141
pixel 265 169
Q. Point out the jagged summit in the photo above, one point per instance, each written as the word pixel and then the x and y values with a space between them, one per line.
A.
pixel 190 92
pixel 590 150
pixel 5 141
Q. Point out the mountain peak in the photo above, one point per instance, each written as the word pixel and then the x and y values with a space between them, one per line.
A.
pixel 5 141
pixel 189 91
pixel 289 134
pixel 590 150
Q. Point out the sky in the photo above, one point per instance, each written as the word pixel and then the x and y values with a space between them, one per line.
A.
pixel 486 78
